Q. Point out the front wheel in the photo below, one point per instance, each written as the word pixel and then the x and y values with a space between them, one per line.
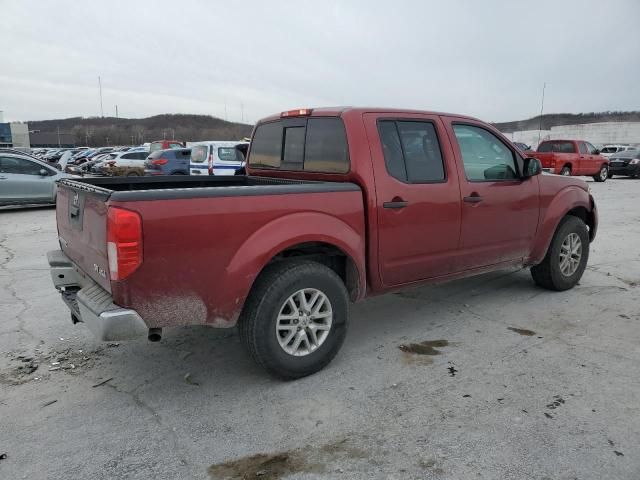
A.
pixel 602 175
pixel 566 171
pixel 295 319
pixel 566 258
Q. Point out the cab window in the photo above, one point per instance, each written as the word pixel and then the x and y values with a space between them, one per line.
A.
pixel 484 156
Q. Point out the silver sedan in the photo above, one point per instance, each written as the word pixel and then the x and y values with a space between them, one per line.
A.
pixel 25 180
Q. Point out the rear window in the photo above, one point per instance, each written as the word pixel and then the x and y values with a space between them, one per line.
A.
pixel 313 144
pixel 199 153
pixel 228 154
pixel 557 147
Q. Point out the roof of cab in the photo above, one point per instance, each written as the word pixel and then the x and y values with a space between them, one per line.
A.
pixel 340 111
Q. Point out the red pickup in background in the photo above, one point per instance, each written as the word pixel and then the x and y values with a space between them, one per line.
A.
pixel 572 157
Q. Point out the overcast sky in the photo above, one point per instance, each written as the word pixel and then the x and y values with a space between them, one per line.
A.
pixel 484 58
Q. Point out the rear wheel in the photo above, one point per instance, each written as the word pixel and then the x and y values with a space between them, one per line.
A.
pixel 566 171
pixel 566 258
pixel 295 319
pixel 602 175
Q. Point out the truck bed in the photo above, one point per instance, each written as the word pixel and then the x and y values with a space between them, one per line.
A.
pixel 203 242
pixel 164 188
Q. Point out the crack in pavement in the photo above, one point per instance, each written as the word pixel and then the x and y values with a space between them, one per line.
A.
pixel 157 418
pixel 23 305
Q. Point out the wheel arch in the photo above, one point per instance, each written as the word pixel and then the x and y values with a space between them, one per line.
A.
pixel 570 201
pixel 326 239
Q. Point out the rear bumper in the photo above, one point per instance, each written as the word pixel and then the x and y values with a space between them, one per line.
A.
pixel 91 304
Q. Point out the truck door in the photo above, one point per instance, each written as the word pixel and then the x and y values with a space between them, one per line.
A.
pixel 499 209
pixel 595 160
pixel 584 159
pixel 417 196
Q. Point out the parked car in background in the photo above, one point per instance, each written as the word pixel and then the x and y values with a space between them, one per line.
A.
pixel 168 162
pixel 18 152
pixel 572 157
pixel 26 180
pixel 625 163
pixel 523 147
pixel 165 144
pixel 129 163
pixel 611 149
pixel 217 158
pixel 339 204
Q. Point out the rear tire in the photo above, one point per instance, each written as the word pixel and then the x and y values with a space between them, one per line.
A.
pixel 268 318
pixel 554 274
pixel 566 171
pixel 602 175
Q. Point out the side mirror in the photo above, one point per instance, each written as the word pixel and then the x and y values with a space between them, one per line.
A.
pixel 596 152
pixel 531 168
pixel 43 172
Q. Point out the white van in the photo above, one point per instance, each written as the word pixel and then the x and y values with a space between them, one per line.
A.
pixel 216 158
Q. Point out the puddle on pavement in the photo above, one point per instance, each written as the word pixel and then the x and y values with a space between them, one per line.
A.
pixel 428 347
pixel 273 466
pixel 522 331
pixel 422 353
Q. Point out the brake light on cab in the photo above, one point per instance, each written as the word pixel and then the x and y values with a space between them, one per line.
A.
pixel 124 242
pixel 299 112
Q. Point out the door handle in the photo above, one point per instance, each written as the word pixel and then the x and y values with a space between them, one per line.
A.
pixel 397 202
pixel 3 178
pixel 473 198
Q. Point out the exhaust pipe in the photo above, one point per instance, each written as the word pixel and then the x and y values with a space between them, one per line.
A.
pixel 155 334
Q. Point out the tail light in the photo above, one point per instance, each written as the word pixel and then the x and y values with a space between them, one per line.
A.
pixel 124 242
pixel 160 161
pixel 211 164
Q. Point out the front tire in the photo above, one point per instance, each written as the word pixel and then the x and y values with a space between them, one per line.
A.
pixel 566 258
pixel 602 175
pixel 566 171
pixel 295 319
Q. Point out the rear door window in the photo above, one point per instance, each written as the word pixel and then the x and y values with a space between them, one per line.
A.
pixel 227 154
pixel 412 151
pixel 313 144
pixel 20 166
pixel 199 153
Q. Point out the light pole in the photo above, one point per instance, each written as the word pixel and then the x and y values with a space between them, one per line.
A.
pixel 544 86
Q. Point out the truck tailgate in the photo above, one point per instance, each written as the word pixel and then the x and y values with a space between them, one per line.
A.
pixel 81 214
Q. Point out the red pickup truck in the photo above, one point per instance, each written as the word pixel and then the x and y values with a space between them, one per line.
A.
pixel 572 157
pixel 338 204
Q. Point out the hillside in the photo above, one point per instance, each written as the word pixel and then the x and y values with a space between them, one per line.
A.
pixel 97 131
pixel 557 119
